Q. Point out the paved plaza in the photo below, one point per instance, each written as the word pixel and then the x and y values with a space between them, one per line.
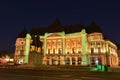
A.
pixel 53 74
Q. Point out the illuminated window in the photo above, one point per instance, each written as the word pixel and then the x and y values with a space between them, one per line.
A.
pixel 99 50
pixel 73 50
pixel 68 50
pixel 39 50
pixel 59 51
pixel 92 43
pixel 92 50
pixel 67 60
pixel 79 52
pixel 79 60
pixel 48 51
pixel 32 48
pixel 98 43
pixel 73 60
pixel 54 51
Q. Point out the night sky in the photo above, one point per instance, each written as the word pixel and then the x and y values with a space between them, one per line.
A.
pixel 15 14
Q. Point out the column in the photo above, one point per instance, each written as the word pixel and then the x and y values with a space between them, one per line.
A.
pixel 84 47
pixel 70 60
pixel 27 47
pixel 50 61
pixel 45 44
pixel 76 61
pixel 62 60
pixel 63 45
pixel 44 60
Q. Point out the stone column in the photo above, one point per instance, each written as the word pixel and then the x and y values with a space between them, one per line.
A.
pixel 27 47
pixel 76 61
pixel 61 60
pixel 44 60
pixel 45 49
pixel 63 45
pixel 84 47
pixel 70 60
pixel 50 61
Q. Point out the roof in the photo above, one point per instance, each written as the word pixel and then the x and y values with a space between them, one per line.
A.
pixel 23 33
pixel 93 27
pixel 56 26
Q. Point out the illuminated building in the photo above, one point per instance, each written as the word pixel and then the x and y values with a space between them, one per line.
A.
pixel 102 50
pixel 118 51
pixel 20 47
pixel 70 45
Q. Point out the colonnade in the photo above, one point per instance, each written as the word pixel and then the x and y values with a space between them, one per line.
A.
pixel 62 60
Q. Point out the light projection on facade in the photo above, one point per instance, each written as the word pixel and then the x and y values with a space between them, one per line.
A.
pixel 76 48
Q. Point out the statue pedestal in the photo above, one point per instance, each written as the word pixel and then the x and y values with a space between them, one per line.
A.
pixel 31 59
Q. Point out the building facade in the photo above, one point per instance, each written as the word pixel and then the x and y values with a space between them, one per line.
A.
pixel 101 50
pixel 65 49
pixel 72 48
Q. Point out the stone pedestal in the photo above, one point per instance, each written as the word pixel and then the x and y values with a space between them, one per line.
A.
pixel 31 58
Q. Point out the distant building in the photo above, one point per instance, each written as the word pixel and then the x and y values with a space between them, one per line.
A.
pixel 67 45
pixel 118 52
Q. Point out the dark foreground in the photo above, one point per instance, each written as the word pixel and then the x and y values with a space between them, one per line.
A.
pixel 40 74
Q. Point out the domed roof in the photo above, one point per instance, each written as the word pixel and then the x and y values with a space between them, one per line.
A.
pixel 93 27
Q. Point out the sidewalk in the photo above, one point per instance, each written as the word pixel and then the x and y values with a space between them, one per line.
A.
pixel 115 69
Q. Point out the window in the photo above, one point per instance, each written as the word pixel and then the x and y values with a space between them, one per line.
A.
pixel 73 50
pixel 59 51
pixel 92 50
pixel 48 51
pixel 92 43
pixel 99 50
pixel 97 43
pixel 54 51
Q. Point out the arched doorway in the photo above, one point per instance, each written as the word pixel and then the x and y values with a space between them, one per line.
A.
pixel 79 60
pixel 67 61
pixel 73 61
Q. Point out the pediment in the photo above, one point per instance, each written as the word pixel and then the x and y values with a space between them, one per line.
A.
pixel 54 35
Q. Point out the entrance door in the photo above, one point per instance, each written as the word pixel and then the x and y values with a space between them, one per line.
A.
pixel 67 61
pixel 79 61
pixel 73 61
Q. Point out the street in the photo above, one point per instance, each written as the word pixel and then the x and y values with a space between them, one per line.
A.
pixel 39 74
